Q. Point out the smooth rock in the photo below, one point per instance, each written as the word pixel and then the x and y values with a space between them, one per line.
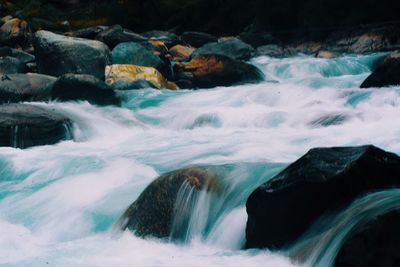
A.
pixel 323 181
pixel 9 65
pixel 153 213
pixel 386 73
pixel 326 54
pixel 198 39
pixel 87 33
pixel 181 53
pixel 121 76
pixel 170 39
pixel 24 126
pixel 208 71
pixel 25 87
pixel 57 55
pixel 136 54
pixel 271 50
pixel 83 87
pixel 13 32
pixel 18 54
pixel 233 48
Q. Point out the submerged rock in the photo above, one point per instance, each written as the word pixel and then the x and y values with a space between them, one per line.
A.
pixel 375 243
pixel 198 39
pixel 25 87
pixel 152 214
pixel 208 71
pixel 136 54
pixel 83 87
pixel 386 73
pixel 122 76
pixel 57 55
pixel 23 126
pixel 323 180
pixel 232 47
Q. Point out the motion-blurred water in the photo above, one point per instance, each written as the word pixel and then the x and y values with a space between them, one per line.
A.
pixel 58 203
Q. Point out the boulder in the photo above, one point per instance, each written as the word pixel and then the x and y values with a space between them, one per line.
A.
pixel 181 53
pixel 115 35
pixel 25 87
pixel 136 54
pixel 386 73
pixel 324 180
pixel 208 71
pixel 57 55
pixel 9 65
pixel 198 39
pixel 257 39
pixel 153 213
pixel 83 87
pixel 123 75
pixel 14 31
pixel 24 126
pixel 375 243
pixel 233 48
pixel 326 54
pixel 18 54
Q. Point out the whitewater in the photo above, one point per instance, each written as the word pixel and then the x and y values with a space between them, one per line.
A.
pixel 59 204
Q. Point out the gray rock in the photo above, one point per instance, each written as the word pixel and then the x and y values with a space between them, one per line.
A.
pixel 57 55
pixel 233 48
pixel 9 65
pixel 24 126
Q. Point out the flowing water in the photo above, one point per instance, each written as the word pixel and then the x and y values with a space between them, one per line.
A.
pixel 59 203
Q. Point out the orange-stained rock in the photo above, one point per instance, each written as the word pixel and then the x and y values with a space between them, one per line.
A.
pixel 207 71
pixel 13 30
pixel 181 52
pixel 126 72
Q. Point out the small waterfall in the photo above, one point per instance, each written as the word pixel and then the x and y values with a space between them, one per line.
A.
pixel 68 130
pixel 321 250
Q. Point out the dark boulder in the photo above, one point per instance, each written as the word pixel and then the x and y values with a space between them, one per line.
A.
pixel 198 39
pixel 208 71
pixel 322 181
pixel 24 126
pixel 88 33
pixel 57 55
pixel 13 32
pixel 9 65
pixel 152 214
pixel 272 50
pixel 233 48
pixel 116 35
pixel 25 87
pixel 136 54
pixel 386 73
pixel 375 243
pixel 257 39
pixel 83 87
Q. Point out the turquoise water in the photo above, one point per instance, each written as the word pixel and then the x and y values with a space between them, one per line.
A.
pixel 58 204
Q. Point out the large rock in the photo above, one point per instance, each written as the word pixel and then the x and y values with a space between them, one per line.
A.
pixel 198 39
pixel 208 71
pixel 386 73
pixel 23 126
pixel 125 76
pixel 136 54
pixel 9 65
pixel 375 243
pixel 324 180
pixel 57 55
pixel 233 48
pixel 152 214
pixel 83 87
pixel 25 87
pixel 14 31
pixel 115 35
